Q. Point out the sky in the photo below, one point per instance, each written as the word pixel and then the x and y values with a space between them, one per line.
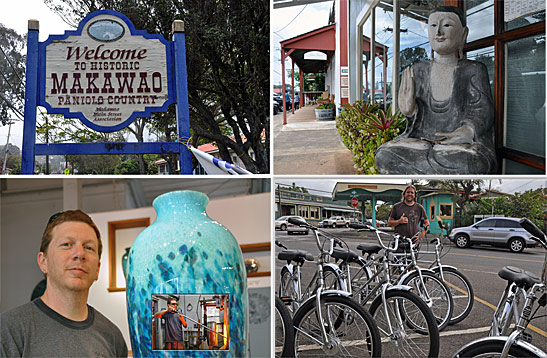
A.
pixel 326 186
pixel 15 15
pixel 292 21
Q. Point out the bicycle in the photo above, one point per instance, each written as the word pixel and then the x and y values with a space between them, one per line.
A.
pixel 291 277
pixel 460 287
pixel 328 321
pixel 403 317
pixel 520 283
pixel 284 331
pixel 404 271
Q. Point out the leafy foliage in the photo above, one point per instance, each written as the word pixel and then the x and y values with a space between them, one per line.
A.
pixel 530 204
pixel 12 73
pixel 327 105
pixel 364 128
pixel 227 48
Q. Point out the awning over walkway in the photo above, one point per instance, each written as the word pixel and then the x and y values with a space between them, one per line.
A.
pixel 389 193
pixel 322 40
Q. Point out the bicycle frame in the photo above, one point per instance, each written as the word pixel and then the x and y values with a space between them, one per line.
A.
pixel 319 290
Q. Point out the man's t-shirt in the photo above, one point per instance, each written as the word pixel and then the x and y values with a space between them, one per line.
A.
pixel 35 330
pixel 414 213
pixel 173 331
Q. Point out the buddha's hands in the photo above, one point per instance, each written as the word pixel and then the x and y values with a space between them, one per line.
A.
pixel 462 135
pixel 407 96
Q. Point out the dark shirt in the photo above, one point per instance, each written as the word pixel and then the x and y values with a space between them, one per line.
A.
pixel 173 327
pixel 415 213
pixel 36 330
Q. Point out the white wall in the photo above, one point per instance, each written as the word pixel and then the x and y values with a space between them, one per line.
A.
pixel 24 219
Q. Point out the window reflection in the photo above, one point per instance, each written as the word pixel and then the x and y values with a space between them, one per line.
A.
pixel 525 95
pixel 480 18
pixel 486 56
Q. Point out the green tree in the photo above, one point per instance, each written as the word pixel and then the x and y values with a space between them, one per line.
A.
pixel 461 189
pixel 411 56
pixel 127 167
pixel 227 47
pixel 530 204
pixel 12 73
pixel 383 211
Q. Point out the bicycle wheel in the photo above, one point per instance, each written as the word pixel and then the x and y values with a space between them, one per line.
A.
pixel 419 339
pixel 332 279
pixel 463 296
pixel 287 289
pixel 353 335
pixel 435 294
pixel 284 331
pixel 493 349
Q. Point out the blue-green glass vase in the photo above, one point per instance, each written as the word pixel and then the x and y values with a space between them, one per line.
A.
pixel 185 252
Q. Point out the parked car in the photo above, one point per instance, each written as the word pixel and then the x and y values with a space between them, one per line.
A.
pixel 294 229
pixel 356 223
pixel 277 108
pixel 335 221
pixel 500 232
pixel 283 224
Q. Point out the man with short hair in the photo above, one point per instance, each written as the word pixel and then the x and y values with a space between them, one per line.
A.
pixel 173 328
pixel 61 323
pixel 406 215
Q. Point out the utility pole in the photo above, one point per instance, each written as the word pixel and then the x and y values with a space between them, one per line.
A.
pixel 6 150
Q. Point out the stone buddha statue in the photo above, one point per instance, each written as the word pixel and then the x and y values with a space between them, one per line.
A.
pixel 448 107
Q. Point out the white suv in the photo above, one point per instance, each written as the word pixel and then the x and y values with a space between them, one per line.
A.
pixel 335 221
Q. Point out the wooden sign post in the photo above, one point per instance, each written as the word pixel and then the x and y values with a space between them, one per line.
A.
pixel 106 73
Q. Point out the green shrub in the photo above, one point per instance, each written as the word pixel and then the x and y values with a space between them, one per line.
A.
pixel 364 128
pixel 327 105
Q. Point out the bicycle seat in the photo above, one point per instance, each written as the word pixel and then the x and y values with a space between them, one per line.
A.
pixel 518 276
pixel 295 255
pixel 345 255
pixel 369 248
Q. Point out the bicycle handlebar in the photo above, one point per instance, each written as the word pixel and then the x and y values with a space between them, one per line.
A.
pixel 333 240
pixel 538 235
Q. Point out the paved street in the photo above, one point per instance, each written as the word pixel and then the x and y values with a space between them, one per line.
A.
pixel 479 263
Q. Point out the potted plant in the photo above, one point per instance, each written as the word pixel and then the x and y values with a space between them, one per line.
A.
pixel 325 111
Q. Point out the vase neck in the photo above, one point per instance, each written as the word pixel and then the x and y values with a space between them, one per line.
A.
pixel 181 203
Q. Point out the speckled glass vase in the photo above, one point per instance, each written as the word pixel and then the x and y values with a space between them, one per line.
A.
pixel 185 252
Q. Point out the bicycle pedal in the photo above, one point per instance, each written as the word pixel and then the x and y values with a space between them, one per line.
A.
pixel 543 300
pixel 286 300
pixel 527 337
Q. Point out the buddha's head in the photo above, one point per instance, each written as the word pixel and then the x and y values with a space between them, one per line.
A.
pixel 447 30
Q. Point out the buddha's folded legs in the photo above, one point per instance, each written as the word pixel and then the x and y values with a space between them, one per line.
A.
pixel 414 156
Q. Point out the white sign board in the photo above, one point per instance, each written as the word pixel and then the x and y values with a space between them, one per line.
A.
pixel 105 74
pixel 514 9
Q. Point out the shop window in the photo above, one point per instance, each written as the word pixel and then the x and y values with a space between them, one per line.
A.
pixel 486 56
pixel 314 213
pixel 525 95
pixel 526 13
pixel 304 211
pixel 445 210
pixel 480 18
pixel 512 167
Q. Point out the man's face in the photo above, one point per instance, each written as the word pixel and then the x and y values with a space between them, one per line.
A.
pixel 72 259
pixel 410 195
pixel 172 306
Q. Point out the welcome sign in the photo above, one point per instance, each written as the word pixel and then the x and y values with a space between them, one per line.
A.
pixel 106 73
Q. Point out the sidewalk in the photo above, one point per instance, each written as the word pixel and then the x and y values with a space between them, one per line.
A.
pixel 308 146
